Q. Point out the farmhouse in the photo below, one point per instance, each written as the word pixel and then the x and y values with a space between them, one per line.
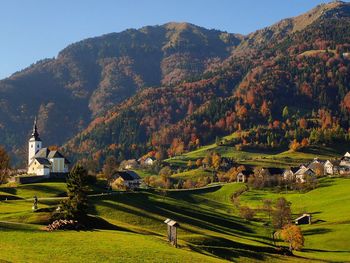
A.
pixel 125 179
pixel 345 160
pixel 129 164
pixel 243 176
pixel 331 167
pixel 289 173
pixel 303 173
pixel 317 166
pixel 148 161
pixel 43 161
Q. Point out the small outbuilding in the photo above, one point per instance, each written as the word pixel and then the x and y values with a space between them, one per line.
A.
pixel 303 220
pixel 172 231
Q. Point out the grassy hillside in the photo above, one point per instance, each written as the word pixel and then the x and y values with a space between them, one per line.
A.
pixel 96 246
pixel 264 158
pixel 29 190
pixel 209 225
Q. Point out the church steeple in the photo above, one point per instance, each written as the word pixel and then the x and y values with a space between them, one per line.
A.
pixel 34 144
pixel 35 133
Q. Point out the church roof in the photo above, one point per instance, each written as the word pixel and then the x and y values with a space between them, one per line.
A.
pixel 126 175
pixel 55 154
pixel 42 153
pixel 47 154
pixel 43 161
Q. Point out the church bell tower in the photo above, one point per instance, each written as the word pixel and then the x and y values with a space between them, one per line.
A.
pixel 34 143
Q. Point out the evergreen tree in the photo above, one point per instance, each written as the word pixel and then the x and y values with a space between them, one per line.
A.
pixel 75 206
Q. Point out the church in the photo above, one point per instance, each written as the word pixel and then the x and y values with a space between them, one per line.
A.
pixel 43 161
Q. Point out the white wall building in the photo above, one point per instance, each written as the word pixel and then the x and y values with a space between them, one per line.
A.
pixel 43 161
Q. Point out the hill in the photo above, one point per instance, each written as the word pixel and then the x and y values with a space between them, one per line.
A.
pixel 169 89
pixel 210 230
pixel 89 77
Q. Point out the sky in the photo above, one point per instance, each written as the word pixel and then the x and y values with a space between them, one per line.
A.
pixel 31 30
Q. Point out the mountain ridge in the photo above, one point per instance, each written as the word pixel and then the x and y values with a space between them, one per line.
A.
pixel 91 77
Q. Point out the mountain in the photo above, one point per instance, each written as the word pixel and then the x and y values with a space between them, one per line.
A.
pixel 168 89
pixel 302 67
pixel 89 77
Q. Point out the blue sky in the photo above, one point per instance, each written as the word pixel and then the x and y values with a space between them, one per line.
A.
pixel 37 29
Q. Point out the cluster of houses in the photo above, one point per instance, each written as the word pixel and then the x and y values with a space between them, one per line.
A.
pixel 300 173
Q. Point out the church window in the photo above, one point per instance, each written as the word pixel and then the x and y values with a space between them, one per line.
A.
pixel 31 146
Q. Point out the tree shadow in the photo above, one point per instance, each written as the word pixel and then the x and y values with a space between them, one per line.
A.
pixel 316 231
pixel 231 250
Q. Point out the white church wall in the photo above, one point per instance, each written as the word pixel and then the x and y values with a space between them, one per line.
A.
pixel 57 165
pixel 34 147
pixel 43 171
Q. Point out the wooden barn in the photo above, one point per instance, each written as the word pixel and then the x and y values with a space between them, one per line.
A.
pixel 305 219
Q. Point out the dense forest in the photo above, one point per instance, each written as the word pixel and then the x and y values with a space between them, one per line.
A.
pixel 168 89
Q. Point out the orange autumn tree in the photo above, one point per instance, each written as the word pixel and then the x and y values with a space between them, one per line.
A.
pixel 292 234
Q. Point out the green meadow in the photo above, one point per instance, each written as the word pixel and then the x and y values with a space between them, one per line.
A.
pixel 210 228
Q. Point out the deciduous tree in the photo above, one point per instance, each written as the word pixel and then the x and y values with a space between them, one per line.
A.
pixel 292 234
pixel 4 165
pixel 282 213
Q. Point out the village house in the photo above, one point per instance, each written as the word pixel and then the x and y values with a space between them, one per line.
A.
pixel 125 179
pixel 289 173
pixel 331 167
pixel 129 164
pixel 147 161
pixel 303 173
pixel 317 166
pixel 242 177
pixel 43 161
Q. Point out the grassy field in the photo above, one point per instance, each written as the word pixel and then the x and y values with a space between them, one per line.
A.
pixel 52 189
pixel 275 158
pixel 210 228
pixel 35 245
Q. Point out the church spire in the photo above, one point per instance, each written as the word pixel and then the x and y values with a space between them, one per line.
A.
pixel 35 133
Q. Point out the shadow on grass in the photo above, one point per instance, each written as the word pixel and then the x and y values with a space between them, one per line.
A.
pixel 9 190
pixel 231 250
pixel 316 231
pixel 4 197
pixel 98 223
pixel 324 251
pixel 152 206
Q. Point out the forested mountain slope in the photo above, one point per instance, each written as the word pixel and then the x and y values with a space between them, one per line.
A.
pixel 168 89
pixel 89 77
pixel 293 89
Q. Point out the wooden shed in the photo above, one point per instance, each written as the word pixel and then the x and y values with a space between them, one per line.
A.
pixel 172 231
pixel 303 220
